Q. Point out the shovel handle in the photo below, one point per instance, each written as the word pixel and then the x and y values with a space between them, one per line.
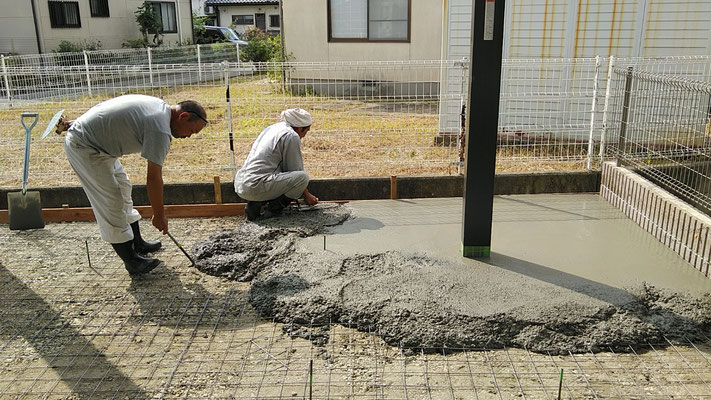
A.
pixel 26 167
pixel 28 115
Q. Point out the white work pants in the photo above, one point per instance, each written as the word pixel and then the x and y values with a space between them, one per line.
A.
pixel 291 184
pixel 107 186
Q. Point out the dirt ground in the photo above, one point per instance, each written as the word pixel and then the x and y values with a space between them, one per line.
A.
pixel 70 331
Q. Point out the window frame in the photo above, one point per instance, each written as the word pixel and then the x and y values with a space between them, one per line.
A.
pixel 278 25
pixel 367 39
pixel 236 16
pixel 53 14
pixel 160 15
pixel 98 7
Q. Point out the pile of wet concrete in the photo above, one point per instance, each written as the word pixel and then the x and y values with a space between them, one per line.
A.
pixel 417 302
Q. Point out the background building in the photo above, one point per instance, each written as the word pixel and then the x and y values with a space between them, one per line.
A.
pixel 38 26
pixel 242 14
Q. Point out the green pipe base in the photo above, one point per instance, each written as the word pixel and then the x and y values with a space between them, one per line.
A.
pixel 475 251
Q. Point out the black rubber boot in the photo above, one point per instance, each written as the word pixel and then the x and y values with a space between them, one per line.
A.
pixel 135 263
pixel 253 209
pixel 142 246
pixel 276 207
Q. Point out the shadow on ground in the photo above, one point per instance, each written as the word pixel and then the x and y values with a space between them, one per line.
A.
pixel 418 302
pixel 78 364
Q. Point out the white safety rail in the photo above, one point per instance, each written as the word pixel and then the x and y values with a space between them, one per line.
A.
pixel 689 67
pixel 546 108
pixel 371 118
pixel 660 126
pixel 48 90
pixel 377 118
pixel 196 54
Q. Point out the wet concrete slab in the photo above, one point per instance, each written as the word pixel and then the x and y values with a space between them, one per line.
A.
pixel 544 236
pixel 567 273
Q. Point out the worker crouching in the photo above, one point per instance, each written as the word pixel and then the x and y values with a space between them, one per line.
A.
pixel 273 174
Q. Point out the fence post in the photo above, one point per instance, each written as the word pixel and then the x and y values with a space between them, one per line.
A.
pixel 625 115
pixel 86 68
pixel 225 68
pixel 199 63
pixel 150 65
pixel 591 141
pixel 7 81
pixel 603 135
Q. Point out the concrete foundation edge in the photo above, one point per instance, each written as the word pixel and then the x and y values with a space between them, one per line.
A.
pixel 679 226
pixel 343 189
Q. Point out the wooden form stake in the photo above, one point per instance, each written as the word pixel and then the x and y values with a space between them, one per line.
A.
pixel 218 190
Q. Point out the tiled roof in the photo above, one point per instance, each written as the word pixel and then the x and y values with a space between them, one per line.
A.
pixel 240 2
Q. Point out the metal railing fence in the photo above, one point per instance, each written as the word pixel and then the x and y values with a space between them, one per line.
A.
pixel 194 54
pixel 661 128
pixel 371 118
pixel 365 121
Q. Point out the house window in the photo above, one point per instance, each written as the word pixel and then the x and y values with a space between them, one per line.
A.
pixel 369 20
pixel 243 19
pixel 99 8
pixel 165 12
pixel 274 21
pixel 64 14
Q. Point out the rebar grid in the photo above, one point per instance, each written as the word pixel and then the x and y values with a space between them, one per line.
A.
pixel 69 333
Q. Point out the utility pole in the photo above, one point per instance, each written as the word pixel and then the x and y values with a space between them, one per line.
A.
pixel 482 126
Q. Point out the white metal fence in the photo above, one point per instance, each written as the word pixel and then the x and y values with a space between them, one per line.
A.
pixel 196 54
pixel 371 118
pixel 661 128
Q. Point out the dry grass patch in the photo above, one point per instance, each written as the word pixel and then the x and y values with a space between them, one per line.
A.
pixel 349 138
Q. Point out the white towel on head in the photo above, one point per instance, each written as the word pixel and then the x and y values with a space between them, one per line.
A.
pixel 296 117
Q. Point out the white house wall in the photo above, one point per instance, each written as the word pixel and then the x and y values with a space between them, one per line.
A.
pixel 306 32
pixel 623 28
pixel 455 47
pixel 198 7
pixel 111 31
pixel 17 31
pixel 572 29
pixel 673 27
pixel 534 29
pixel 226 12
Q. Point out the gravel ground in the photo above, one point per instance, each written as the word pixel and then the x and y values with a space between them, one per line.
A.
pixel 349 325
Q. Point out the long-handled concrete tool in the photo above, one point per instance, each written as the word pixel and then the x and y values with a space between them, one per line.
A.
pixel 181 249
pixel 24 209
pixel 53 125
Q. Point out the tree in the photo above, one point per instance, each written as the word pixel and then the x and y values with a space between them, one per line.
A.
pixel 260 46
pixel 199 22
pixel 149 22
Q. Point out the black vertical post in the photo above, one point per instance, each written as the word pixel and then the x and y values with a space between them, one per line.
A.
pixel 482 125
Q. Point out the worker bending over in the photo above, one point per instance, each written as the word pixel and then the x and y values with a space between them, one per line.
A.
pixel 116 127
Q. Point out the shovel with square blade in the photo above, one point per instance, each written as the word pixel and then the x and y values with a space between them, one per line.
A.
pixel 24 209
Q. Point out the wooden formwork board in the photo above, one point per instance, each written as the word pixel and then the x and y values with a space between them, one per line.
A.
pixel 76 214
